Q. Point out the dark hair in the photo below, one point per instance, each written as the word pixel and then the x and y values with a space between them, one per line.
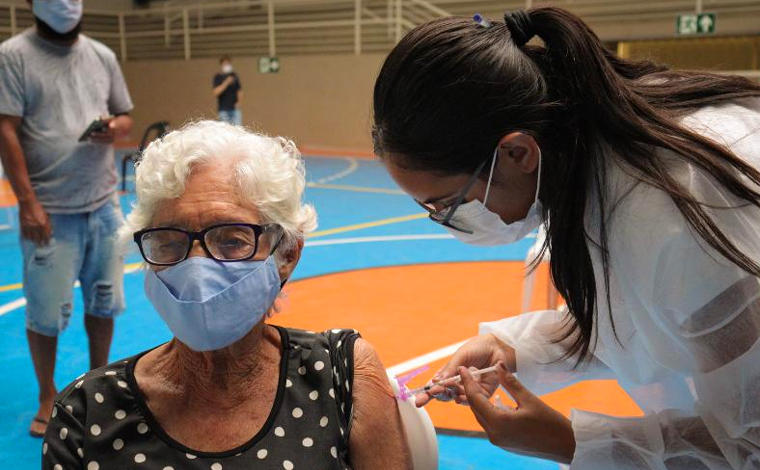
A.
pixel 451 89
pixel 225 58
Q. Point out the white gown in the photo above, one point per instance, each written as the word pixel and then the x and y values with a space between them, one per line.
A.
pixel 687 320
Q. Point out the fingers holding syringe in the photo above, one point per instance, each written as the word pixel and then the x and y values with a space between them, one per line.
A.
pixel 447 389
pixel 437 392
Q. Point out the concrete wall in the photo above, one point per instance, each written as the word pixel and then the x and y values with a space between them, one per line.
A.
pixel 316 100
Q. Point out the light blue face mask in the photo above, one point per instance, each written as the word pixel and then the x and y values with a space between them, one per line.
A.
pixel 209 305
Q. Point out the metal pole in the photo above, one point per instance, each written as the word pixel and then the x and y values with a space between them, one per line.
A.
pixel 167 26
pixel 13 20
pixel 357 27
pixel 167 31
pixel 270 26
pixel 122 37
pixel 390 18
pixel 398 20
pixel 186 31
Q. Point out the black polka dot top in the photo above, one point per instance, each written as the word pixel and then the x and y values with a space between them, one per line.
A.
pixel 101 420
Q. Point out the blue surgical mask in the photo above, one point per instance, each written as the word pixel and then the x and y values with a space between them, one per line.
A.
pixel 61 15
pixel 208 304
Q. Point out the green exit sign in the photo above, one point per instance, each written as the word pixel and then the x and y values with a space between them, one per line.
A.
pixel 695 23
pixel 269 65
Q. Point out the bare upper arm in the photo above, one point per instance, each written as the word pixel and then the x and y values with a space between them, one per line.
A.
pixel 8 122
pixel 377 439
pixel 9 127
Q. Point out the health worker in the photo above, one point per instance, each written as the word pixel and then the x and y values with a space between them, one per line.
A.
pixel 646 182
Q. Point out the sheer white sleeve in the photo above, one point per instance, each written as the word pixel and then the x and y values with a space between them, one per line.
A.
pixel 698 315
pixel 541 365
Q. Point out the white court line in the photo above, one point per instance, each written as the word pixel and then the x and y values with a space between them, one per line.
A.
pixel 18 303
pixel 353 165
pixel 389 238
pixel 10 306
pixel 425 359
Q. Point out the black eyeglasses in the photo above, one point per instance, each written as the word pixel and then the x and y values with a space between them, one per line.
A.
pixel 443 216
pixel 167 246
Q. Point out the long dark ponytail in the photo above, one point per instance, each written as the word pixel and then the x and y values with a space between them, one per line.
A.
pixel 451 89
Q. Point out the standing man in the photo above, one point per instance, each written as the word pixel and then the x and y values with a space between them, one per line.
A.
pixel 54 82
pixel 228 93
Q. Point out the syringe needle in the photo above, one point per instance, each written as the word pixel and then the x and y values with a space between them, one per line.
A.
pixel 452 380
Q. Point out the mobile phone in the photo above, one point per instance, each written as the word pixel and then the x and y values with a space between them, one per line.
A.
pixel 98 125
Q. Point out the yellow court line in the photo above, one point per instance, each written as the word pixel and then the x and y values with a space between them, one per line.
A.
pixel 358 189
pixel 11 287
pixel 376 223
pixel 128 268
pixel 323 233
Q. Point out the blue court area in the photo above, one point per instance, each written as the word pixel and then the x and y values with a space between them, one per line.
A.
pixel 365 221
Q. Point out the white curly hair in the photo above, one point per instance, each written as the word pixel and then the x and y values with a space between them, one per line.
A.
pixel 269 173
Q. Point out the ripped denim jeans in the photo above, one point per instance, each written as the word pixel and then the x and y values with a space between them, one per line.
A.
pixel 83 248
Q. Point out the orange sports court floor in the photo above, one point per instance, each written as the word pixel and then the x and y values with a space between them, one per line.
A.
pixel 375 264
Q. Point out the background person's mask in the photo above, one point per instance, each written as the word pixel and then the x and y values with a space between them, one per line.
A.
pixel 61 15
pixel 487 227
pixel 208 304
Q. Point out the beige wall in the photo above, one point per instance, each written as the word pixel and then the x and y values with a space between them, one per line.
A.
pixel 316 100
pixel 735 53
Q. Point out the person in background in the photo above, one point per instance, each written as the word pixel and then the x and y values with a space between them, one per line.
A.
pixel 228 93
pixel 54 82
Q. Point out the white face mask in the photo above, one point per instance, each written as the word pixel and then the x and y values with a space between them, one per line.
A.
pixel 487 227
pixel 227 68
pixel 61 15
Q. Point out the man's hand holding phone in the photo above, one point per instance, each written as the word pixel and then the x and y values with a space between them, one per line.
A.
pixel 107 129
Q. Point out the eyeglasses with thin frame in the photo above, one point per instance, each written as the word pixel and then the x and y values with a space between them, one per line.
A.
pixel 443 216
pixel 167 246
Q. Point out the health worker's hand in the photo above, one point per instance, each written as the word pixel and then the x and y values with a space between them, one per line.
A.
pixel 478 353
pixel 533 428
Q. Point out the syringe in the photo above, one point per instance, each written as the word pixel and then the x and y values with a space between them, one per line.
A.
pixel 451 380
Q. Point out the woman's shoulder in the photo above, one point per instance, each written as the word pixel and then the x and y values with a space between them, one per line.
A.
pixel 726 123
pixel 95 385
pixel 331 339
pixel 734 125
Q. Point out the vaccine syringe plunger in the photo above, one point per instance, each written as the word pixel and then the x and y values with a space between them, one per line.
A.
pixel 451 380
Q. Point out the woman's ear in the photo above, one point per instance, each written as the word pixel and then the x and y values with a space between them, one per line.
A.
pixel 289 260
pixel 521 151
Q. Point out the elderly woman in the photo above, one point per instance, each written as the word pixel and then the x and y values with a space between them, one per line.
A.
pixel 220 222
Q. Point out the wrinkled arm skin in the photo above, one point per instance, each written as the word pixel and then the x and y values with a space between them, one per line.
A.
pixel 377 439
